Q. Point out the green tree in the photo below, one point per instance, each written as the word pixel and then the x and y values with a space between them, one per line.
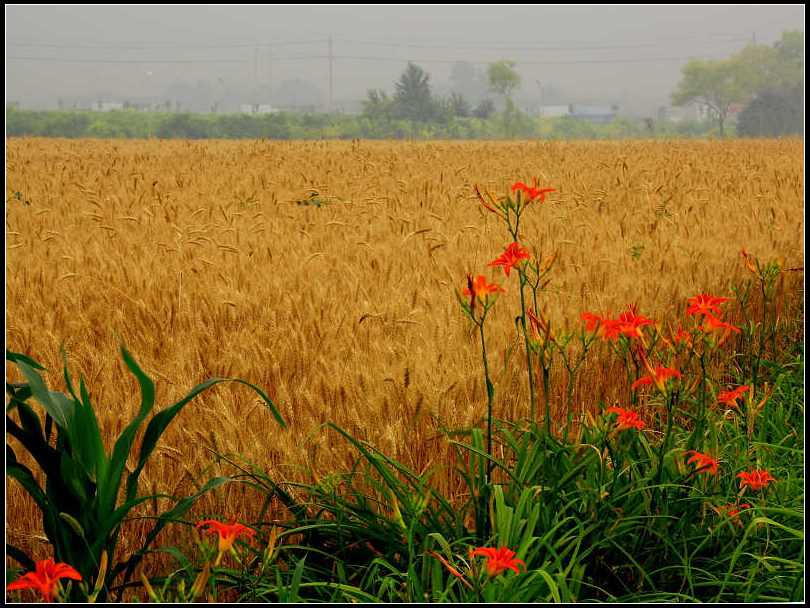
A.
pixel 413 96
pixel 773 114
pixel 459 105
pixel 378 105
pixel 503 78
pixel 484 110
pixel 713 83
pixel 774 77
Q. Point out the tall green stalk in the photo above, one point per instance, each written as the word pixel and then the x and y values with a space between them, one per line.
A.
pixel 490 393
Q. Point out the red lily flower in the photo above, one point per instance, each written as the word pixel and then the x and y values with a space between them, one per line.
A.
pixel 46 578
pixel 499 560
pixel 605 327
pixel 630 324
pixel 704 462
pixel 532 193
pixel 682 336
pixel 732 511
pixel 658 377
pixel 628 419
pixel 511 258
pixel 480 288
pixel 755 479
pixel 730 398
pixel 704 304
pixel 715 326
pixel 228 533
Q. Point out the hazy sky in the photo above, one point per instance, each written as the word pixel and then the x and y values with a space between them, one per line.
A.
pixel 596 53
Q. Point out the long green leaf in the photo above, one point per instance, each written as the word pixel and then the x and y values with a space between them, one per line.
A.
pixel 61 410
pixel 111 483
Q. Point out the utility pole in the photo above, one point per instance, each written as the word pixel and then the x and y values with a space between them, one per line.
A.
pixel 256 74
pixel 269 74
pixel 329 104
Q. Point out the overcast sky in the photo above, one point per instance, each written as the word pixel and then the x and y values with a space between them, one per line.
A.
pixel 597 53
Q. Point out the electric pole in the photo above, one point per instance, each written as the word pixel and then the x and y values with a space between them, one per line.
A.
pixel 269 75
pixel 329 103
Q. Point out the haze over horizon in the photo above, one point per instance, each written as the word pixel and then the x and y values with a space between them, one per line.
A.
pixel 333 54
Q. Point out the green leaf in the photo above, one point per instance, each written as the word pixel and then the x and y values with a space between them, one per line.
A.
pixel 19 555
pixel 111 483
pixel 17 358
pixel 61 410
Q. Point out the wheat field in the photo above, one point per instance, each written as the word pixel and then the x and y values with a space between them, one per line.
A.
pixel 211 259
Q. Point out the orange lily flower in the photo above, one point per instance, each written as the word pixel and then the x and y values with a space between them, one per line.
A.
pixel 511 258
pixel 605 327
pixel 658 377
pixel 480 288
pixel 755 479
pixel 730 398
pixel 499 560
pixel 732 511
pixel 628 419
pixel 630 324
pixel 703 304
pixel 228 533
pixel 532 192
pixel 45 578
pixel 715 326
pixel 682 336
pixel 704 462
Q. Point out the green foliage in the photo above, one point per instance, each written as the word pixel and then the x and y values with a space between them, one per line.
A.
pixel 459 105
pixel 503 78
pixel 769 80
pixel 484 110
pixel 413 98
pixel 773 114
pixel 714 83
pixel 378 122
pixel 315 200
pixel 79 502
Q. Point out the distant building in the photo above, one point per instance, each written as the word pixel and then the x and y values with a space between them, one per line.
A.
pixel 553 111
pixel 106 106
pixel 595 113
pixel 674 114
pixel 257 108
pixel 694 112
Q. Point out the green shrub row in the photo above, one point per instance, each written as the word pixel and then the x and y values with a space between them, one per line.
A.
pixel 126 124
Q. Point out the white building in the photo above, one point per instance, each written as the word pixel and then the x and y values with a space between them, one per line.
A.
pixel 553 111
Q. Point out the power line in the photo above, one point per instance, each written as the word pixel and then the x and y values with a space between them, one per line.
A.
pixel 388 43
pixel 159 47
pixel 533 48
pixel 363 58
pixel 127 61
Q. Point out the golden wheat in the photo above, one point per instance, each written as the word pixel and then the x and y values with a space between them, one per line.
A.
pixel 201 259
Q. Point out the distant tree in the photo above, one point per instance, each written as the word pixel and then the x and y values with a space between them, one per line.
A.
pixel 378 105
pixel 767 77
pixel 413 96
pixel 773 114
pixel 484 110
pixel 774 77
pixel 503 78
pixel 459 105
pixel 714 83
pixel 469 81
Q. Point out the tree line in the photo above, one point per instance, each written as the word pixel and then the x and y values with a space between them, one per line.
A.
pixel 764 84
